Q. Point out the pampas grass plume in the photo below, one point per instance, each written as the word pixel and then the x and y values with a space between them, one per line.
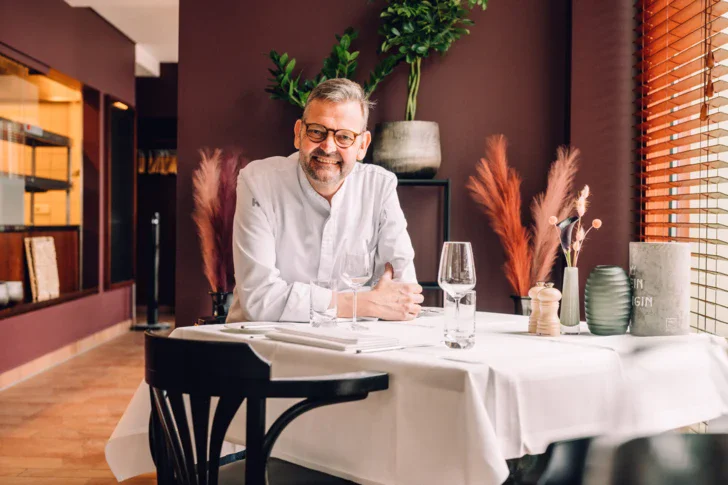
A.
pixel 554 204
pixel 215 185
pixel 205 184
pixel 497 189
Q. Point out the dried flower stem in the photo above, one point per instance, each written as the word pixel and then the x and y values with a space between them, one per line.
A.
pixel 576 258
pixel 581 205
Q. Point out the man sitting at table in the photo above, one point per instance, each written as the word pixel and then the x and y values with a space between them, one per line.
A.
pixel 297 215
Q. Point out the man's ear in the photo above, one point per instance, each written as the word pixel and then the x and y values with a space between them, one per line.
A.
pixel 297 135
pixel 366 139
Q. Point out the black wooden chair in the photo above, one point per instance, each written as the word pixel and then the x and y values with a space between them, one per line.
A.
pixel 665 459
pixel 235 373
pixel 566 461
pixel 672 459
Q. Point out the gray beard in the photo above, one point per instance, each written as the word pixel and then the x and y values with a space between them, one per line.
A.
pixel 311 172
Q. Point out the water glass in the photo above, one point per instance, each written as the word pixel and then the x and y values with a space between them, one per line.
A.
pixel 460 323
pixel 322 307
pixel 357 270
pixel 456 277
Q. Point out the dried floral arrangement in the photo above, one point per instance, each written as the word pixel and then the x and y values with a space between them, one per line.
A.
pixel 215 184
pixel 496 187
pixel 572 242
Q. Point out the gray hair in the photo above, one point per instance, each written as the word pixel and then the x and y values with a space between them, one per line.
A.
pixel 340 90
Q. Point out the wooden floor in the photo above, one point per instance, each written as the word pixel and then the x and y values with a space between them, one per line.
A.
pixel 54 426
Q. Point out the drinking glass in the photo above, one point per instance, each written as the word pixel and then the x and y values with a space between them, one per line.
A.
pixel 356 271
pixel 457 273
pixel 323 292
pixel 460 327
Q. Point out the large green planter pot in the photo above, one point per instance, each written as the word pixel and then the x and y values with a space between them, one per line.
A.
pixel 608 300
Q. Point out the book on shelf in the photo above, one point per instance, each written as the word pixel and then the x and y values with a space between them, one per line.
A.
pixel 42 267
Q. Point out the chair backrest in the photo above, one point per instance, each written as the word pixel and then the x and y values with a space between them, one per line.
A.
pixel 566 460
pixel 672 459
pixel 203 370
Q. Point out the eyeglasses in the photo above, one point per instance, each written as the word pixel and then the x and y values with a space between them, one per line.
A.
pixel 318 133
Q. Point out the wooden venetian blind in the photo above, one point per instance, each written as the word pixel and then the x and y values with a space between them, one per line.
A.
pixel 682 119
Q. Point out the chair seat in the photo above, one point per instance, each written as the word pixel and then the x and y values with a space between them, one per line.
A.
pixel 280 472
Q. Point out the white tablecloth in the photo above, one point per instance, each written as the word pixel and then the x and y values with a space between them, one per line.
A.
pixel 455 416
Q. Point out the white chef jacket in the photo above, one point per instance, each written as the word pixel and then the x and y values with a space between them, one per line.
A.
pixel 285 234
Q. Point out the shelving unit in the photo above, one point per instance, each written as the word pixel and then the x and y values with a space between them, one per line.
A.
pixel 40 184
pixel 36 137
pixel 445 184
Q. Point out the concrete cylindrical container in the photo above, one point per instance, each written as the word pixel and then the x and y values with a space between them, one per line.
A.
pixel 411 149
pixel 660 274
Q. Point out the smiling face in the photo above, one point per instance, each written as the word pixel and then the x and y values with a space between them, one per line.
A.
pixel 326 164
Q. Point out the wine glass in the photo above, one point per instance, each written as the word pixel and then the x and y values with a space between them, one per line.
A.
pixel 356 271
pixel 456 276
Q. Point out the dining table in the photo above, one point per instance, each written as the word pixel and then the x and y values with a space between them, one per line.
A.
pixel 454 416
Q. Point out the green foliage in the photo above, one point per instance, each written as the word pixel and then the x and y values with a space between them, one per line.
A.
pixel 383 69
pixel 412 29
pixel 340 63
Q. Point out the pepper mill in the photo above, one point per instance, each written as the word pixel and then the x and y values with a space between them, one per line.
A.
pixel 533 294
pixel 548 302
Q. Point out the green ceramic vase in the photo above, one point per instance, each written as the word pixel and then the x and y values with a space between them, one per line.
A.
pixel 608 300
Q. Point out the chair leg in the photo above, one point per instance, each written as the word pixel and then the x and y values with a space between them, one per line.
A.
pixel 159 450
pixel 254 436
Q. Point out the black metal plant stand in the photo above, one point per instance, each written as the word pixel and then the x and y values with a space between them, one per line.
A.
pixel 445 184
pixel 153 291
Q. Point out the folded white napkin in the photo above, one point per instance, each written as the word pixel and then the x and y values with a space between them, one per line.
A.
pixel 254 324
pixel 250 327
pixel 332 338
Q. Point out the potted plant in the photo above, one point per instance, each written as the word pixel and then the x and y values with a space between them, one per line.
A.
pixel 411 31
pixel 340 63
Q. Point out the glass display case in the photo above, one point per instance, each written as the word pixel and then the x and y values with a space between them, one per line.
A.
pixel 41 126
pixel 41 178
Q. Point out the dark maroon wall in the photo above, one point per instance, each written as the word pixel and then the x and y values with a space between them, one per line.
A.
pixel 509 76
pixel 157 129
pixel 602 125
pixel 156 97
pixel 80 44
pixel 74 41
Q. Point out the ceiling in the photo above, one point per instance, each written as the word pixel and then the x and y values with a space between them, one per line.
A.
pixel 152 24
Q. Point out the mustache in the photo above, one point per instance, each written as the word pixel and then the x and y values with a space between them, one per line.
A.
pixel 318 152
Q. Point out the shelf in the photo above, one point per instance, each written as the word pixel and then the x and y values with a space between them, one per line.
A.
pixel 40 184
pixel 30 135
pixel 22 228
pixel 27 306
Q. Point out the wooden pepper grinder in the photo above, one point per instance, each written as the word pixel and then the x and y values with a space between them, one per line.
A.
pixel 548 302
pixel 533 294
